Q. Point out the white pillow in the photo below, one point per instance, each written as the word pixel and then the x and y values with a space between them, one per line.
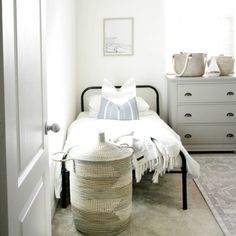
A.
pixel 142 104
pixel 125 93
pixel 95 100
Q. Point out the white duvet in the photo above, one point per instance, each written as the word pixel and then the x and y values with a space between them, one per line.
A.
pixel 160 155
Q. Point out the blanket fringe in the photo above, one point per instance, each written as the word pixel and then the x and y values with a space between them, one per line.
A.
pixel 163 162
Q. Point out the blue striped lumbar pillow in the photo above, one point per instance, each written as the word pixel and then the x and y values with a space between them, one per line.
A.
pixel 112 111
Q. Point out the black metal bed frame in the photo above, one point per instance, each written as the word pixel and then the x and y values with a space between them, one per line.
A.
pixel 183 170
pixel 137 86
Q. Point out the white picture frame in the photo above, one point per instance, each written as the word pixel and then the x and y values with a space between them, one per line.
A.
pixel 118 36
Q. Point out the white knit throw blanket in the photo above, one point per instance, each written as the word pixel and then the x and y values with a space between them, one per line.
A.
pixel 152 155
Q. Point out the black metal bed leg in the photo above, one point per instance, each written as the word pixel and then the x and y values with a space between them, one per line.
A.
pixel 184 181
pixel 65 192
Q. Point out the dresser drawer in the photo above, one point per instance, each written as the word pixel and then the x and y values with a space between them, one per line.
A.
pixel 207 134
pixel 206 92
pixel 206 113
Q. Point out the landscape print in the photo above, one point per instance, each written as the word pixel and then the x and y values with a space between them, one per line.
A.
pixel 118 36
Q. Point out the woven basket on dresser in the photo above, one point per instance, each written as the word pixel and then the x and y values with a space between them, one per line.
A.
pixel 101 189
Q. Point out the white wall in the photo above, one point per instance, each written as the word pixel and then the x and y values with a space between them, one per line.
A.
pixel 147 64
pixel 3 165
pixel 61 72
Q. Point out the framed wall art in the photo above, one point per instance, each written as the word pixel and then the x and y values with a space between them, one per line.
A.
pixel 118 36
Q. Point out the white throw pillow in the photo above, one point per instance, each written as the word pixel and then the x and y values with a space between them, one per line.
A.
pixel 125 93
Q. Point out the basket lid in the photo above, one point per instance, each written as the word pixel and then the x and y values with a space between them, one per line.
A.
pixel 102 151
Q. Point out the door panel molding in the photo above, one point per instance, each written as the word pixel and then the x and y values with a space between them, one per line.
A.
pixel 29 74
pixel 30 200
pixel 34 208
pixel 29 167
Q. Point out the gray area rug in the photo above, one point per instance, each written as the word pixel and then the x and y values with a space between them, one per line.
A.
pixel 157 211
pixel 217 184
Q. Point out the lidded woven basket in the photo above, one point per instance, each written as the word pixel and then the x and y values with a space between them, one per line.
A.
pixel 101 189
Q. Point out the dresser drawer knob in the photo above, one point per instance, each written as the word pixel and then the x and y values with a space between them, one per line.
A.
pixel 230 93
pixel 229 135
pixel 230 114
pixel 188 115
pixel 188 136
pixel 187 94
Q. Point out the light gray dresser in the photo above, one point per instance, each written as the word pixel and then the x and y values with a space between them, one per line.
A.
pixel 203 112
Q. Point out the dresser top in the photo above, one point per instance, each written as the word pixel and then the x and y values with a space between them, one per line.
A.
pixel 204 78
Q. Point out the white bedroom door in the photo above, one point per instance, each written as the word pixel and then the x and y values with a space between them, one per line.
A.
pixel 27 164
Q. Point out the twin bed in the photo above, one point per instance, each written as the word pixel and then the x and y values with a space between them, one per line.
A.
pixel 157 147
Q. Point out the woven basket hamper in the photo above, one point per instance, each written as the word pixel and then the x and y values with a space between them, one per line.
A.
pixel 101 189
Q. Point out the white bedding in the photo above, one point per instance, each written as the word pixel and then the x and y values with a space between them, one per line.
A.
pixel 160 155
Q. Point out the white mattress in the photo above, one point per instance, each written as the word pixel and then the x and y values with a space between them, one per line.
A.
pixel 158 156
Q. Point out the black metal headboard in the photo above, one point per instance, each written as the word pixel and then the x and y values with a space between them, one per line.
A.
pixel 137 86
